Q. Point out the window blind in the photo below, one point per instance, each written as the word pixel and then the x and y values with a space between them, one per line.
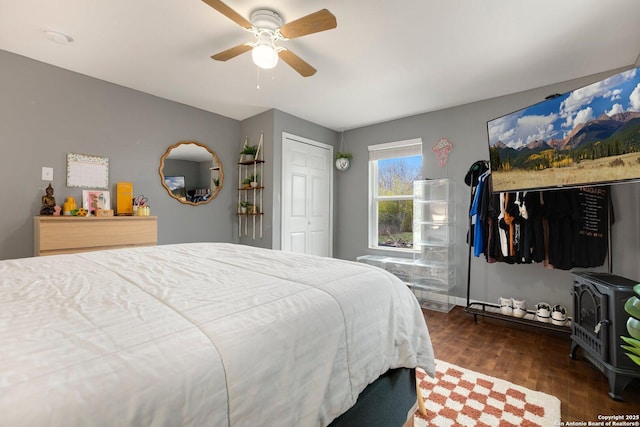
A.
pixel 410 147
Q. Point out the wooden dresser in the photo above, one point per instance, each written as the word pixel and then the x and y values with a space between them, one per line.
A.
pixel 69 234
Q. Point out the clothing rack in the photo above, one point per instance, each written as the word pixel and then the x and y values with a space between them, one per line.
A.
pixel 493 310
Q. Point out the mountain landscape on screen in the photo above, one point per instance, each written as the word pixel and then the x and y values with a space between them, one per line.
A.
pixel 585 137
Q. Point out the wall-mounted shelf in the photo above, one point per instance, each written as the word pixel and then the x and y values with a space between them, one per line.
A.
pixel 250 200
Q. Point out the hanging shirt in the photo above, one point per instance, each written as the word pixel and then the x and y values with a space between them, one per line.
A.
pixel 591 242
pixel 503 227
pixel 478 235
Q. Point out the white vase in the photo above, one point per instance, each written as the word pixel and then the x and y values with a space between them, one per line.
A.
pixel 248 157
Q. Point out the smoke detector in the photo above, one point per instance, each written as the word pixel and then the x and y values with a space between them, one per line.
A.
pixel 58 37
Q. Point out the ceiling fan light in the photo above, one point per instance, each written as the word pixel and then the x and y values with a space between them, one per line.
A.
pixel 264 56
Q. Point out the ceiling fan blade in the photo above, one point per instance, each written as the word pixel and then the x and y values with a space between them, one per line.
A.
pixel 229 13
pixel 321 20
pixel 297 63
pixel 225 55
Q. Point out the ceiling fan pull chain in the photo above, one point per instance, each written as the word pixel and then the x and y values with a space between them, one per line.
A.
pixel 258 86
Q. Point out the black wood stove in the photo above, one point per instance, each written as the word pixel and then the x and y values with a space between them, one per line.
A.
pixel 599 321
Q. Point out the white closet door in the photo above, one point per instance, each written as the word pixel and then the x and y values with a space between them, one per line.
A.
pixel 307 178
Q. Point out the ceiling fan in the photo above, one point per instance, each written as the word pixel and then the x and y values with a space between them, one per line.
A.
pixel 267 27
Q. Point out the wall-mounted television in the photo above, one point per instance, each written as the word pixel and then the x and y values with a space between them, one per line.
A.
pixel 589 136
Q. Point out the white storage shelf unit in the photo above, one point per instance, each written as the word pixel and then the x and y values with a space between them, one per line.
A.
pixel 433 238
pixel 431 272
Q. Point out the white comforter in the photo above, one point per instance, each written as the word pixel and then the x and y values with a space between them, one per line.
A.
pixel 198 335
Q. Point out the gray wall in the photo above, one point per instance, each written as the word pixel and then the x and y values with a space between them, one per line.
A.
pixel 465 127
pixel 47 112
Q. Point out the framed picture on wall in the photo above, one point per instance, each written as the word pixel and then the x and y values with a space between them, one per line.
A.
pixel 87 171
pixel 95 199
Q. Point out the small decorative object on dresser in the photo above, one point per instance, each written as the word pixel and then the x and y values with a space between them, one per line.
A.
pixel 104 212
pixel 48 202
pixel 92 200
pixel 69 206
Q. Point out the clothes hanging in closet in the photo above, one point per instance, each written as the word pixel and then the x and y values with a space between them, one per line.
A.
pixel 563 228
pixel 478 219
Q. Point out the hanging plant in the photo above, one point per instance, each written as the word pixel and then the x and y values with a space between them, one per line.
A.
pixel 343 158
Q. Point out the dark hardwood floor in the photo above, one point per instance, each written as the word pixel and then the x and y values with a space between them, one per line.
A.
pixel 531 357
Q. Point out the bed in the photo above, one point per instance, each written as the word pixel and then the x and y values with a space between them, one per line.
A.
pixel 199 334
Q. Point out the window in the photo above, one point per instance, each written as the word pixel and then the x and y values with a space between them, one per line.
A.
pixel 392 169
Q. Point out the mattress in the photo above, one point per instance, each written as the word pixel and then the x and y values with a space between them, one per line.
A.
pixel 199 334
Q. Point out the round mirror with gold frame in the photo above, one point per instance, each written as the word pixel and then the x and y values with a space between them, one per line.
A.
pixel 191 173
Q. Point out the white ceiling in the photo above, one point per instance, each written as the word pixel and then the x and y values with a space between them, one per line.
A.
pixel 385 60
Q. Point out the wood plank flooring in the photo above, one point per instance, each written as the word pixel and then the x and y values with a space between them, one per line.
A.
pixel 530 357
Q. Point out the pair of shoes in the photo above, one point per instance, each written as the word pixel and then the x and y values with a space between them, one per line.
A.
pixel 512 307
pixel 547 314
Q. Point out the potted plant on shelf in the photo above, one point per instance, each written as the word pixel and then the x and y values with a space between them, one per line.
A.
pixel 342 160
pixel 244 205
pixel 246 183
pixel 248 153
pixel 253 180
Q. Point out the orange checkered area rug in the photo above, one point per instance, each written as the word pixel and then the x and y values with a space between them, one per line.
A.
pixel 460 397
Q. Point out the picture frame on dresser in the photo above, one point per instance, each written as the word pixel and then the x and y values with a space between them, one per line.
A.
pixel 93 200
